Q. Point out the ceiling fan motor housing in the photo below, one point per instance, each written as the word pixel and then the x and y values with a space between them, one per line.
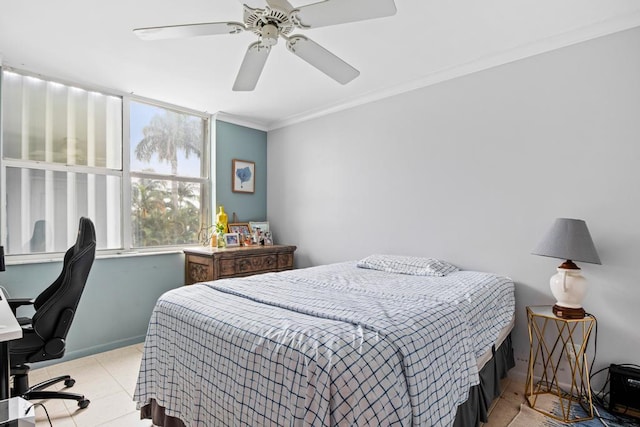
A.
pixel 256 19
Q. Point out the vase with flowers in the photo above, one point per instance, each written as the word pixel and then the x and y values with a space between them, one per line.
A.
pixel 220 229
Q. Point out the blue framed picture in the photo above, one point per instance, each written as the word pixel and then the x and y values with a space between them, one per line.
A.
pixel 243 176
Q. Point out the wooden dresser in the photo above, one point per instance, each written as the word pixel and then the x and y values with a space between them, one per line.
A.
pixel 202 264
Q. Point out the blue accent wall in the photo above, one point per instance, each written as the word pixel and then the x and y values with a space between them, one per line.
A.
pixel 116 304
pixel 243 143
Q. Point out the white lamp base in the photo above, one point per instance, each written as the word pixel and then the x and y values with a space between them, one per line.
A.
pixel 569 288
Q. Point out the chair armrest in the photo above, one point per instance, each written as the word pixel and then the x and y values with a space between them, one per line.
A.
pixel 14 303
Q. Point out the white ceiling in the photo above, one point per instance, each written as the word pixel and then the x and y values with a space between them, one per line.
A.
pixel 427 41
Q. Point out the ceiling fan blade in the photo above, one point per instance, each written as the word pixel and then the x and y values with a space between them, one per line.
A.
pixel 189 30
pixel 251 67
pixel 283 5
pixel 333 12
pixel 254 4
pixel 322 59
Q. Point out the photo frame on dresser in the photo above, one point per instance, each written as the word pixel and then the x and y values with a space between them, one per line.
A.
pixel 242 228
pixel 243 176
pixel 232 239
pixel 268 239
pixel 262 225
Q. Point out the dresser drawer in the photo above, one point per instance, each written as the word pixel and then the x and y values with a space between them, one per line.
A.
pixel 198 269
pixel 256 264
pixel 285 261
pixel 205 264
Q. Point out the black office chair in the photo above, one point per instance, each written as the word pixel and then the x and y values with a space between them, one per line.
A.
pixel 45 332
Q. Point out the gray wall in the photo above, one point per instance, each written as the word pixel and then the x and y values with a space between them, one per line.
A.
pixel 474 171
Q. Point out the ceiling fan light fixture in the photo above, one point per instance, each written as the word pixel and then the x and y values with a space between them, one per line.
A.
pixel 269 35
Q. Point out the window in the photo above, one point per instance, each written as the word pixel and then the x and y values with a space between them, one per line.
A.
pixel 62 157
pixel 61 160
pixel 168 175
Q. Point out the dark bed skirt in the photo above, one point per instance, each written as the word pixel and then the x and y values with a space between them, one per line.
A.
pixel 476 408
pixel 469 414
pixel 155 413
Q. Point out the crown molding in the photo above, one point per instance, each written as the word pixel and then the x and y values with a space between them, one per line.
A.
pixel 240 121
pixel 600 29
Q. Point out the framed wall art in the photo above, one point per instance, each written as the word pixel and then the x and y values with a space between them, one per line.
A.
pixel 243 176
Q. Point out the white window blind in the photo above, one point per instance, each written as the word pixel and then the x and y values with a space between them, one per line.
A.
pixel 62 158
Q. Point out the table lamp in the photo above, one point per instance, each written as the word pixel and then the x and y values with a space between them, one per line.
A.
pixel 568 239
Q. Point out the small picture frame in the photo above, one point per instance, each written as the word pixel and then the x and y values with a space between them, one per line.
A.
pixel 268 239
pixel 242 228
pixel 243 176
pixel 262 225
pixel 232 239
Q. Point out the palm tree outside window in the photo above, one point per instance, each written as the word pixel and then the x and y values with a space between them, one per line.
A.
pixel 168 175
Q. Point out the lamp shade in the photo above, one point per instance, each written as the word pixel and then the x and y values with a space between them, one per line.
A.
pixel 568 239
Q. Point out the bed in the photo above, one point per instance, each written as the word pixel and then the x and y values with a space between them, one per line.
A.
pixel 386 340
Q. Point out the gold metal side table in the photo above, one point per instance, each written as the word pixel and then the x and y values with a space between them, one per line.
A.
pixel 558 345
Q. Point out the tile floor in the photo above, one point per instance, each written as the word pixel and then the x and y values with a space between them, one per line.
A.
pixel 505 408
pixel 108 380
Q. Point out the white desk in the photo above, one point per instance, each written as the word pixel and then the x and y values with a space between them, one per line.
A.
pixel 17 412
pixel 9 330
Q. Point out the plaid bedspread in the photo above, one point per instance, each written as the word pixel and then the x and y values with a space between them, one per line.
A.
pixel 325 346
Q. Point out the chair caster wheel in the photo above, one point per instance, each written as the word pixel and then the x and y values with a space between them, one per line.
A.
pixel 69 383
pixel 84 403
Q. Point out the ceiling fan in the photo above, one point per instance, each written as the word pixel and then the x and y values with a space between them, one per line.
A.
pixel 278 18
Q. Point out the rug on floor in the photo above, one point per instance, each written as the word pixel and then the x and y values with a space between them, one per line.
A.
pixel 528 417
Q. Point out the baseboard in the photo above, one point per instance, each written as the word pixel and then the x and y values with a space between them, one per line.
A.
pixel 90 351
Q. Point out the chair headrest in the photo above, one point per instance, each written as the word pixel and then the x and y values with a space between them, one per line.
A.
pixel 86 235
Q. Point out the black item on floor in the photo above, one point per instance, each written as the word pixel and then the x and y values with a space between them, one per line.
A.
pixel 624 390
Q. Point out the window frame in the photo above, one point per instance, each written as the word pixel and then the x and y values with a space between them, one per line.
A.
pixel 125 174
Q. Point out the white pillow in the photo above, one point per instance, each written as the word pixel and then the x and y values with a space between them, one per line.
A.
pixel 415 266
